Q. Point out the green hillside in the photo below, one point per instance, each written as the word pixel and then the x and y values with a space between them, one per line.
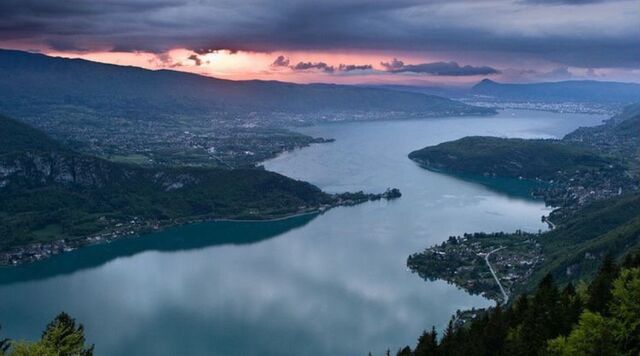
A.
pixel 47 192
pixel 575 249
pixel 509 157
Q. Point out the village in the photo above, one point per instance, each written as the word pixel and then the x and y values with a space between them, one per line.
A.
pixel 117 229
pixel 461 261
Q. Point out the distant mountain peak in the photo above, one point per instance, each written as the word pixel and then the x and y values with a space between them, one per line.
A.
pixel 485 82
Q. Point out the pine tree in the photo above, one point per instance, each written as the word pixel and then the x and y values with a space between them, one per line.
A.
pixel 570 309
pixel 632 260
pixel 495 332
pixel 65 337
pixel 540 322
pixel 427 343
pixel 519 311
pixel 600 289
pixel 447 344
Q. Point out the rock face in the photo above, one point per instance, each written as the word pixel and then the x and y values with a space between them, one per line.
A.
pixel 35 168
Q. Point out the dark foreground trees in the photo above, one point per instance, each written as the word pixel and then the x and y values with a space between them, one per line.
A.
pixel 62 337
pixel 602 319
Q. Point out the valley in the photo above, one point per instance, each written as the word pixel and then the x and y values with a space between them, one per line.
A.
pixel 169 118
pixel 348 263
pixel 319 178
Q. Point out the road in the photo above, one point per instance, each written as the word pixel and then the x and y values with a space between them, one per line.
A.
pixel 486 259
pixel 552 226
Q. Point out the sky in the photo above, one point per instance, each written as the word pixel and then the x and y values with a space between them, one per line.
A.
pixel 410 42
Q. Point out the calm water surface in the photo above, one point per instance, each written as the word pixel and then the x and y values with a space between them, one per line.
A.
pixel 334 284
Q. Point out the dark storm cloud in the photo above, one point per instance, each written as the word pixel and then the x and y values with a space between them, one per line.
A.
pixel 202 51
pixel 394 64
pixel 281 61
pixel 195 59
pixel 590 34
pixel 284 62
pixel 63 44
pixel 302 66
pixel 438 68
pixel 354 67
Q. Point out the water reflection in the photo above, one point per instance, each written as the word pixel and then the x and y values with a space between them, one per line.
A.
pixel 511 187
pixel 333 285
pixel 180 238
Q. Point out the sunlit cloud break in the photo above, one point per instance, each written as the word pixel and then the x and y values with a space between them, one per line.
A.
pixel 323 41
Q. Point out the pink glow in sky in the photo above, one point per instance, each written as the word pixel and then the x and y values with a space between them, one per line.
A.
pixel 244 65
pixel 434 41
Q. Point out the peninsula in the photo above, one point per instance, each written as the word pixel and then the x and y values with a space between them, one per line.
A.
pixel 55 199
pixel 588 176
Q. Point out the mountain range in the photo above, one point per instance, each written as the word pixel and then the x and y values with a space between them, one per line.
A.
pixel 33 83
pixel 571 90
pixel 582 91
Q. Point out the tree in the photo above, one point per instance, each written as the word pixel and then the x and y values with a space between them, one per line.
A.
pixel 24 348
pixel 519 311
pixel 447 345
pixel 553 322
pixel 632 260
pixel 495 331
pixel 541 322
pixel 625 309
pixel 600 289
pixel 594 335
pixel 427 343
pixel 570 309
pixel 65 337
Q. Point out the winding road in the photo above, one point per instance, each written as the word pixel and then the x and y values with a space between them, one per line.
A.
pixel 486 259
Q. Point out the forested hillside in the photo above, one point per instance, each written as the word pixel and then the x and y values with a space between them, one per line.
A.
pixel 49 192
pixel 598 318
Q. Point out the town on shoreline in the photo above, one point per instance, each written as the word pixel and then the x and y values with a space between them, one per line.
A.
pixel 137 226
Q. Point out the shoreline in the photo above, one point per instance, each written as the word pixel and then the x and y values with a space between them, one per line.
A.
pixel 136 227
pixel 285 217
pixel 38 251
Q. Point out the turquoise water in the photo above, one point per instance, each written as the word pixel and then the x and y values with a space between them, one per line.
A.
pixel 333 284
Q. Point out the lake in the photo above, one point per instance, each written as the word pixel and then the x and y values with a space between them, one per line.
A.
pixel 332 284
